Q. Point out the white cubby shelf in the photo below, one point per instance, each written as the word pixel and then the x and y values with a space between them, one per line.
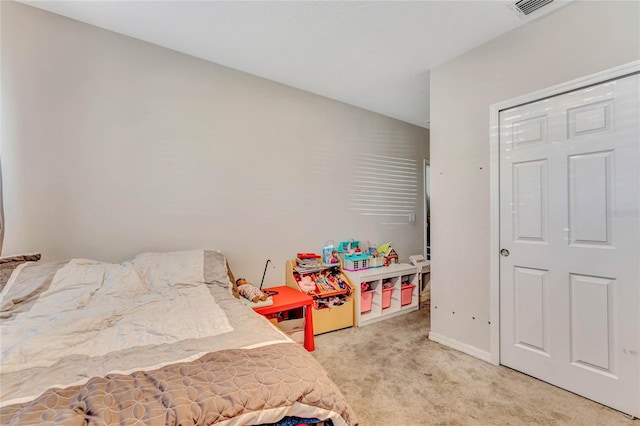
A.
pixel 396 274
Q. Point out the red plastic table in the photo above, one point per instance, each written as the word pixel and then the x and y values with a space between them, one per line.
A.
pixel 287 299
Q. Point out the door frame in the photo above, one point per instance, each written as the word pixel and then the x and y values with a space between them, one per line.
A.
pixel 494 181
pixel 426 192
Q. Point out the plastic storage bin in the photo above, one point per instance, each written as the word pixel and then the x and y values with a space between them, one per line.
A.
pixel 406 294
pixel 366 299
pixel 386 297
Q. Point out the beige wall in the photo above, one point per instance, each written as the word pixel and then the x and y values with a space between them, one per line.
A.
pixel 577 40
pixel 112 146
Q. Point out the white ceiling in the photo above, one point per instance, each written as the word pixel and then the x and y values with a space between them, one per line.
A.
pixel 372 54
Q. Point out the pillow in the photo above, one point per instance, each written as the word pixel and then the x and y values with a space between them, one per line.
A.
pixel 164 270
pixel 8 264
pixel 192 266
pixel 26 285
pixel 216 268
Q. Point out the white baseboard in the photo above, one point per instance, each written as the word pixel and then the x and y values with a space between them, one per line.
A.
pixel 462 347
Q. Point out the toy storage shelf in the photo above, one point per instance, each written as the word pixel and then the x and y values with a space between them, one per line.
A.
pixel 325 319
pixel 403 300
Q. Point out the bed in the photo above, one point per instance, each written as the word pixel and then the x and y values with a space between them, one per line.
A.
pixel 158 339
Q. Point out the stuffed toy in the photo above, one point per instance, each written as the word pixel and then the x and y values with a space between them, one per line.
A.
pixel 249 291
pixel 307 284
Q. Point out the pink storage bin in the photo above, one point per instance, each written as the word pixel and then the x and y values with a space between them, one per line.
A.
pixel 406 294
pixel 386 297
pixel 366 298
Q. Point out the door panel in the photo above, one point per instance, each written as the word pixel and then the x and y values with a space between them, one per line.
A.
pixel 570 218
pixel 530 308
pixel 590 198
pixel 592 322
pixel 530 198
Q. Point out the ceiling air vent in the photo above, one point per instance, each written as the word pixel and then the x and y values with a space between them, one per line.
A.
pixel 528 6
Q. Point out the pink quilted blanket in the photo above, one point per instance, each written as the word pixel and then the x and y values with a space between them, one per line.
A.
pixel 230 387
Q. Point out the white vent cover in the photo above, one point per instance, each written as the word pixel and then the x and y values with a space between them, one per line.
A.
pixel 526 7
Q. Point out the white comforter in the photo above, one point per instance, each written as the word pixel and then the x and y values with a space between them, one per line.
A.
pixel 93 308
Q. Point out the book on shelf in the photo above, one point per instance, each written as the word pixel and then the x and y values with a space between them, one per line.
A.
pixel 308 263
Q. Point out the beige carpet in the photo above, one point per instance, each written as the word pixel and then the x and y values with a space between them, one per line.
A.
pixel 393 375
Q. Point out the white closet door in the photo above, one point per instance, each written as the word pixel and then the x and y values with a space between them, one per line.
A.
pixel 570 221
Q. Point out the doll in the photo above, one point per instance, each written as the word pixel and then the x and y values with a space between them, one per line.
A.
pixel 307 284
pixel 249 291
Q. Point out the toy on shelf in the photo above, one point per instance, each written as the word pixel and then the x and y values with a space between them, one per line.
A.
pixel 307 284
pixel 346 247
pixel 332 258
pixel 355 262
pixel 353 258
pixel 383 248
pixel 377 261
pixel 308 262
pixel 389 253
pixel 391 257
pixel 328 302
pixel 349 248
pixel 249 291
pixel 328 282
pixel 330 254
pixel 312 256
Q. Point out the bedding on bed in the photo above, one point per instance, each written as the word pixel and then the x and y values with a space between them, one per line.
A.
pixel 157 339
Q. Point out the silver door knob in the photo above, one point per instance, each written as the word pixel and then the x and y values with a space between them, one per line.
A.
pixel 504 253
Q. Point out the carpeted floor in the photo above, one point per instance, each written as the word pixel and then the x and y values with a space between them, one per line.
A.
pixel 393 375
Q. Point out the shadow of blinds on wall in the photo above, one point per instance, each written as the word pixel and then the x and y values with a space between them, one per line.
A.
pixel 387 187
